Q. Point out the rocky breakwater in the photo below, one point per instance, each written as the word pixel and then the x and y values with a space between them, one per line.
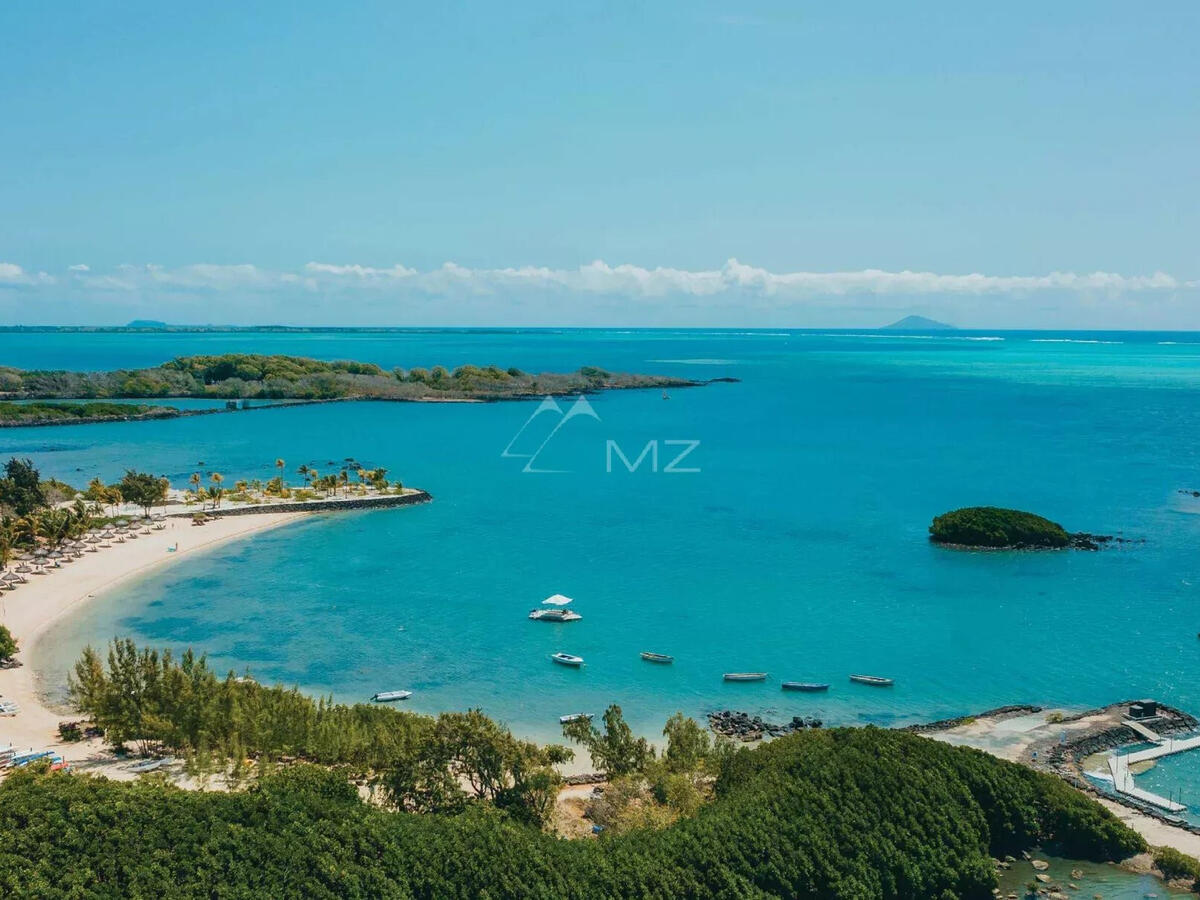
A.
pixel 384 501
pixel 745 727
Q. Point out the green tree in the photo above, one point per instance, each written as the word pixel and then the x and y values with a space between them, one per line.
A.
pixel 20 488
pixel 688 745
pixel 143 489
pixel 615 750
pixel 8 645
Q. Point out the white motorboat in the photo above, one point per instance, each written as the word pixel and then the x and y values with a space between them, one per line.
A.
pixel 574 717
pixel 567 659
pixel 554 615
pixel 390 696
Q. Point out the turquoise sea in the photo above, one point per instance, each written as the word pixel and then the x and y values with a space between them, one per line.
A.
pixel 798 547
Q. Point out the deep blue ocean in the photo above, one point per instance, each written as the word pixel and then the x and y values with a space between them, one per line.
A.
pixel 799 547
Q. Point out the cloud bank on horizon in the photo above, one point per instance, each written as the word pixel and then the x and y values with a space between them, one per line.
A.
pixel 734 294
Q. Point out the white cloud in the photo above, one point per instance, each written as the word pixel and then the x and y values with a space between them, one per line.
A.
pixel 734 277
pixel 363 272
pixel 13 275
pixel 619 292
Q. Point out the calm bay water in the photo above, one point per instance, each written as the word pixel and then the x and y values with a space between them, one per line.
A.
pixel 799 548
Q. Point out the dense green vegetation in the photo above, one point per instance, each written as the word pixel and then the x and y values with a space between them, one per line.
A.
pixel 32 517
pixel 992 526
pixel 1177 866
pixel 843 813
pixel 61 413
pixel 242 375
pixel 157 703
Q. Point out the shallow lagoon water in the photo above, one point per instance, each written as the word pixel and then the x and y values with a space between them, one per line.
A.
pixel 799 548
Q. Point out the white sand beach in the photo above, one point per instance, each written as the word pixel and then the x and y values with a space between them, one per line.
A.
pixel 30 609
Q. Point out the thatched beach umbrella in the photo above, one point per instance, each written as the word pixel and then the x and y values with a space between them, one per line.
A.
pixel 23 569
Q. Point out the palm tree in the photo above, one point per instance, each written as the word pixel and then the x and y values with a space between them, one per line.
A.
pixel 215 493
pixel 306 472
pixel 344 479
pixel 195 480
pixel 279 464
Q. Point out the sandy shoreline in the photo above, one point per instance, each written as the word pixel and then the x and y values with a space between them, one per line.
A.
pixel 32 608
pixel 1018 738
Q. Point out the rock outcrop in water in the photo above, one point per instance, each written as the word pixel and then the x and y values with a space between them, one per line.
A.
pixel 996 528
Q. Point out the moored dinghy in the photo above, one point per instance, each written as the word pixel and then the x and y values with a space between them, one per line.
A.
pixel 567 659
pixel 745 676
pixel 390 696
pixel 872 680
pixel 657 657
pixel 811 687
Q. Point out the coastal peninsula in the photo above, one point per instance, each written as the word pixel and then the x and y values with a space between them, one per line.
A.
pixel 239 378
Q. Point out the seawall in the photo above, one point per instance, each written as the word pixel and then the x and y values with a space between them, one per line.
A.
pixel 330 505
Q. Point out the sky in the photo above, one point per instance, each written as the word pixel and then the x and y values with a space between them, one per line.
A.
pixel 730 164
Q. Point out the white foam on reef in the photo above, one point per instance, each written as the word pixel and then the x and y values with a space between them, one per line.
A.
pixel 698 362
pixel 1071 341
pixel 887 335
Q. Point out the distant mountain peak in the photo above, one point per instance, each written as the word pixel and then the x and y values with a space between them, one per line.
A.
pixel 918 323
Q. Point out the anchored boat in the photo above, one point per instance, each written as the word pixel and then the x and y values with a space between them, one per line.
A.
pixel 811 687
pixel 873 680
pixel 390 696
pixel 745 676
pixel 574 717
pixel 554 615
pixel 657 657
pixel 567 659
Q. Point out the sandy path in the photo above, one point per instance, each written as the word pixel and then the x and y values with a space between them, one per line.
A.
pixel 30 609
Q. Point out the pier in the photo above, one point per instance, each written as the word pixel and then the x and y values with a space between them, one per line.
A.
pixel 1122 777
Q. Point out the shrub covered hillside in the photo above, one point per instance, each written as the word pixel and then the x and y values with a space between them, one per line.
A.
pixel 250 375
pixel 992 526
pixel 846 813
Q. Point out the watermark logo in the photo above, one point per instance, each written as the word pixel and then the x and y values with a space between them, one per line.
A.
pixel 611 447
pixel 580 407
pixel 550 418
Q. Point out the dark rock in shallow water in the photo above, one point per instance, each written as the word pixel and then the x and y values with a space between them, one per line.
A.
pixel 1082 540
pixel 745 727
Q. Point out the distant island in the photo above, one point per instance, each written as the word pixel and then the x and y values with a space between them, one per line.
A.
pixel 281 379
pixel 151 324
pixel 918 323
pixel 996 528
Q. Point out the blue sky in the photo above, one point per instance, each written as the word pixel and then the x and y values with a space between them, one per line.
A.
pixel 601 163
